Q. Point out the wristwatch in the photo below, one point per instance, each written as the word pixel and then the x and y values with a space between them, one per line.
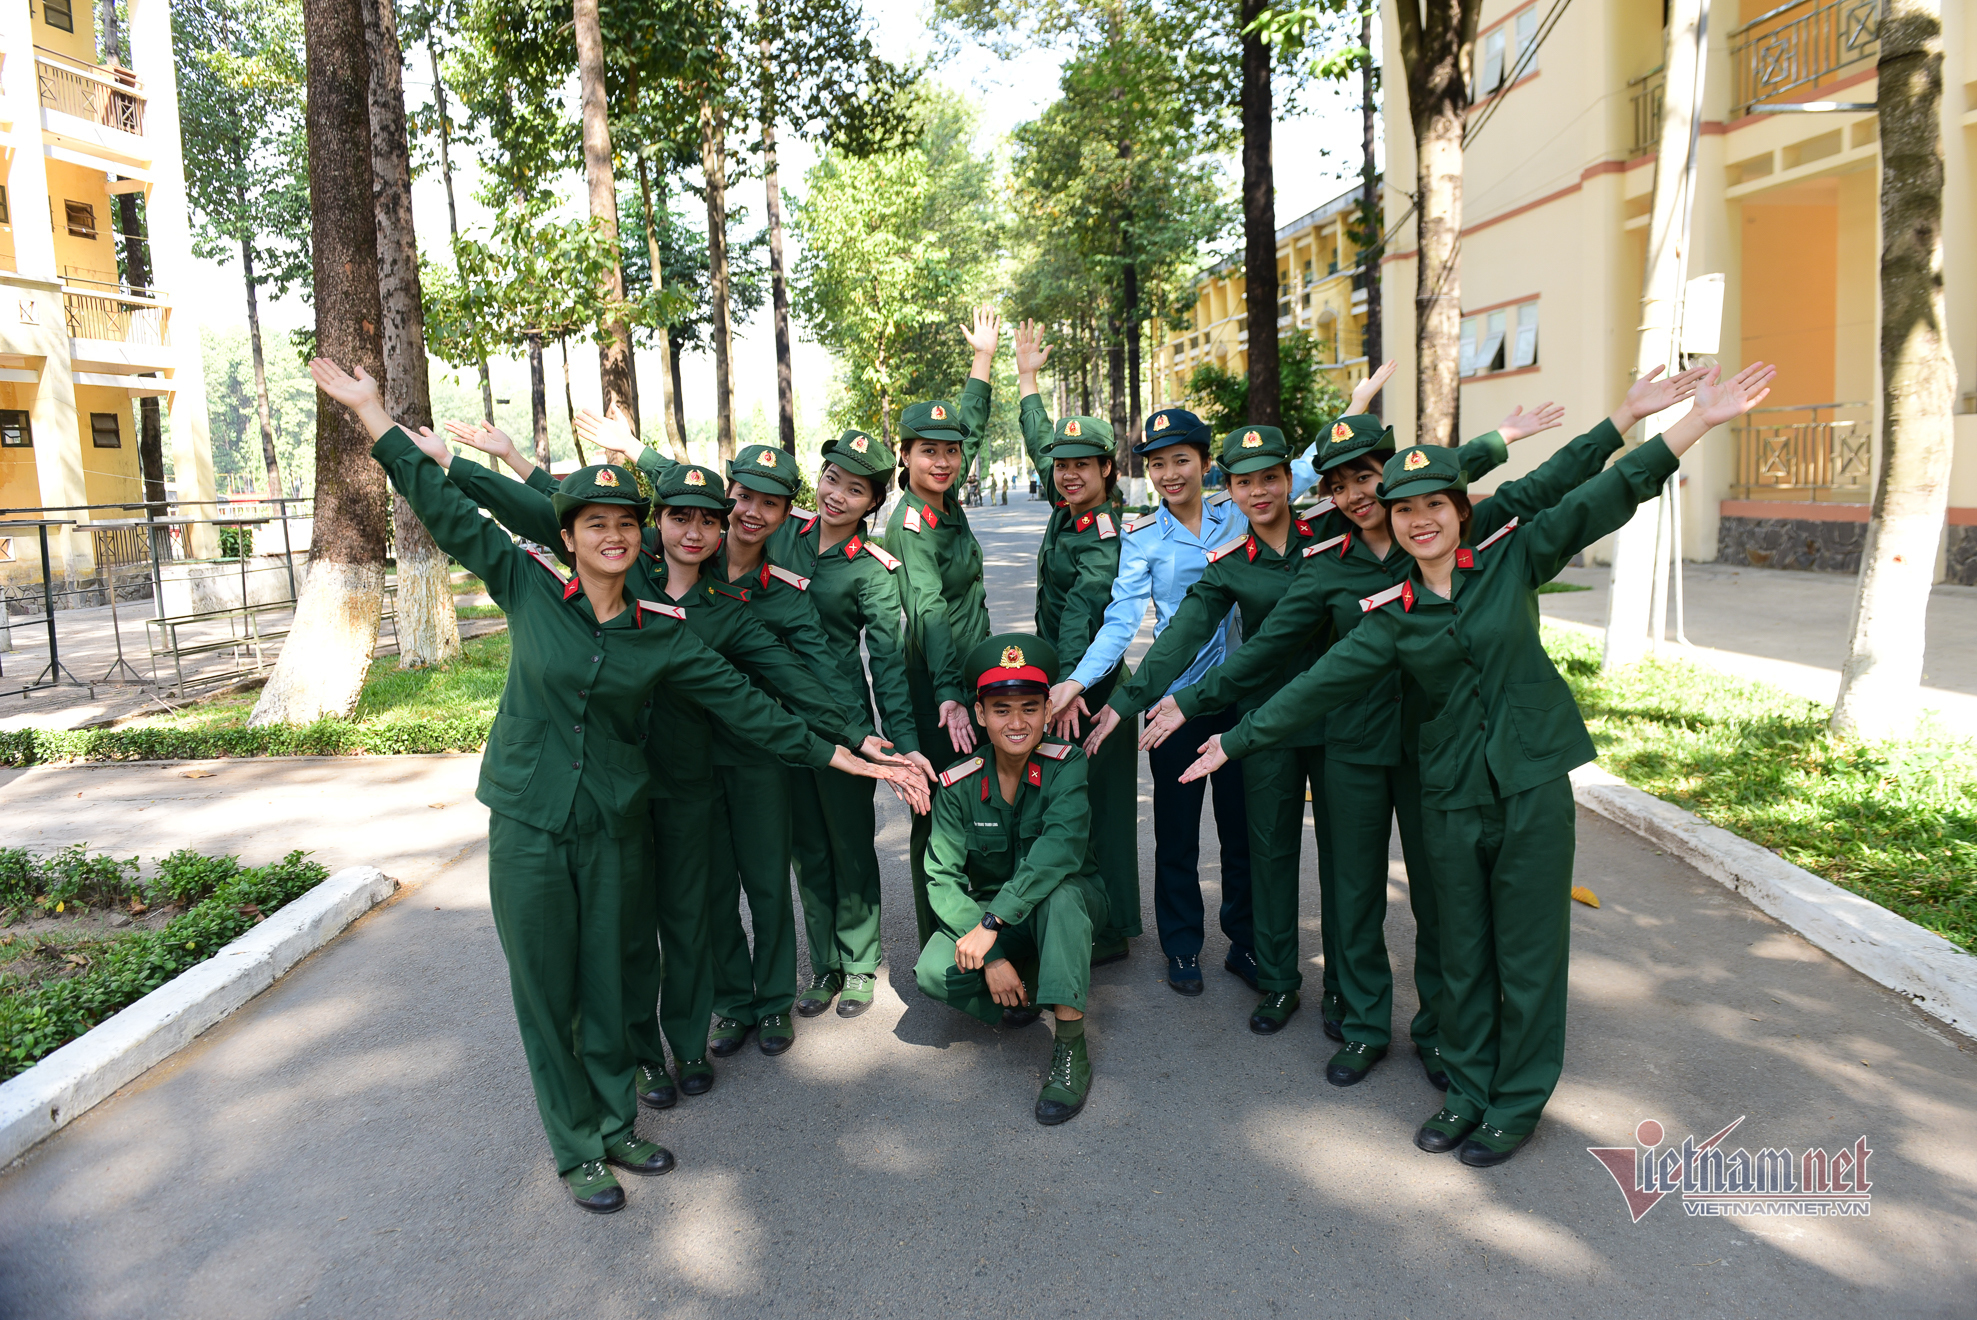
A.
pixel 992 922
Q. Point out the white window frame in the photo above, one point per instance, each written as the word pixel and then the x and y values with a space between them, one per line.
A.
pixel 1494 61
pixel 1524 347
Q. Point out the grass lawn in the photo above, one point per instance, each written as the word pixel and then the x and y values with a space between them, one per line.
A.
pixel 1895 823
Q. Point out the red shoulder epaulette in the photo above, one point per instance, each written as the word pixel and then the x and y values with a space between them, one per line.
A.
pixel 911 520
pixel 892 565
pixel 782 574
pixel 1396 592
pixel 1497 535
pixel 954 774
pixel 1228 548
pixel 1055 751
pixel 653 607
pixel 1340 541
pixel 1321 508
pixel 549 564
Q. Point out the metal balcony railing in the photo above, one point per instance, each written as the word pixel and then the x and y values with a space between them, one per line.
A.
pixel 1645 95
pixel 1809 451
pixel 1799 46
pixel 120 319
pixel 87 93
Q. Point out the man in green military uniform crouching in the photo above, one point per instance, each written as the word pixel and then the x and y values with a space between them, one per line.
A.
pixel 1010 874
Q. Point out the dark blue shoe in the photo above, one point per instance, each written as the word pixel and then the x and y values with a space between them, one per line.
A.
pixel 1184 976
pixel 1243 963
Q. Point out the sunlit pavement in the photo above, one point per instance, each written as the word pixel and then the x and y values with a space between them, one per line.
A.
pixel 361 1140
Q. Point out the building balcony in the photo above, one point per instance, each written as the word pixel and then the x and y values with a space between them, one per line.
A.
pixel 1815 451
pixel 95 113
pixel 1797 47
pixel 115 331
pixel 1645 95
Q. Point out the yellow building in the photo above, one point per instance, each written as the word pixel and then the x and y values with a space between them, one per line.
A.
pixel 1556 194
pixel 1318 293
pixel 77 342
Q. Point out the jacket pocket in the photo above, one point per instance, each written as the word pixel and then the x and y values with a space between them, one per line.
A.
pixel 514 748
pixel 1544 715
pixel 1356 725
pixel 628 776
pixel 1441 761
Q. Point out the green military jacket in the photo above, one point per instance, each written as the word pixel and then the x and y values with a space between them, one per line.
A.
pixel 1076 566
pixel 1248 575
pixel 1033 419
pixel 940 569
pixel 1327 596
pixel 735 622
pixel 988 855
pixel 578 689
pixel 1503 718
pixel 855 588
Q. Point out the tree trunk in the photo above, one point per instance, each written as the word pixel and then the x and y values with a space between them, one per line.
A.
pixel 111 32
pixel 614 356
pixel 1370 217
pixel 150 424
pixel 714 166
pixel 328 651
pixel 1437 49
pixel 778 292
pixel 1115 374
pixel 453 211
pixel 1259 224
pixel 570 399
pixel 538 399
pixel 428 624
pixel 1883 672
pixel 679 397
pixel 675 422
pixel 262 410
pixel 1134 465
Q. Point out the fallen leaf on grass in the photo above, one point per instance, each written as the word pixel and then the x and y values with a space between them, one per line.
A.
pixel 1584 895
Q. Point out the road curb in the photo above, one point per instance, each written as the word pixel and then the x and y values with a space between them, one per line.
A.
pixel 1939 977
pixel 90 1068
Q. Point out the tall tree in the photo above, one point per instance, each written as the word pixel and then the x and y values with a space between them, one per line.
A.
pixel 328 651
pixel 1883 672
pixel 714 171
pixel 1259 220
pixel 672 404
pixel 614 352
pixel 428 626
pixel 443 126
pixel 1437 52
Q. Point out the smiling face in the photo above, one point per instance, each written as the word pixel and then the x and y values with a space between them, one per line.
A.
pixel 1429 527
pixel 1081 481
pixel 756 514
pixel 690 535
pixel 932 465
pixel 1352 486
pixel 603 539
pixel 843 498
pixel 1015 722
pixel 1176 472
pixel 1263 496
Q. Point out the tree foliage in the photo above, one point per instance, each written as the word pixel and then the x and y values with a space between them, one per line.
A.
pixel 1310 400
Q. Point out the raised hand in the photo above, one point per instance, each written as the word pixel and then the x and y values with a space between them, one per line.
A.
pixel 1065 722
pixel 1031 351
pixel 352 392
pixel 960 726
pixel 1520 423
pixel 613 433
pixel 1161 722
pixel 1212 758
pixel 987 331
pixel 484 436
pixel 1720 402
pixel 432 446
pixel 1107 721
pixel 1653 393
pixel 1064 693
pixel 919 761
pixel 1364 392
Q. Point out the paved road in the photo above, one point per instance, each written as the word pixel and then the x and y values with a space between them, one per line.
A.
pixel 360 1140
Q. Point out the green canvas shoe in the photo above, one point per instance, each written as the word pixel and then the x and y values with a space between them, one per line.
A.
pixel 1273 1011
pixel 775 1033
pixel 1432 1067
pixel 1067 1083
pixel 857 996
pixel 1444 1132
pixel 634 1154
pixel 1109 951
pixel 696 1076
pixel 727 1037
pixel 1350 1065
pixel 817 996
pixel 594 1189
pixel 655 1086
pixel 1489 1146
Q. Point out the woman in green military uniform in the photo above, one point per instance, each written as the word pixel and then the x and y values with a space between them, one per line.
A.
pixel 940 578
pixel 1077 563
pixel 566 848
pixel 854 584
pixel 1498 815
pixel 1010 871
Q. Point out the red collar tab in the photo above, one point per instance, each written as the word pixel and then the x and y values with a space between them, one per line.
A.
pixel 1083 523
pixel 1465 558
pixel 1303 527
pixel 1033 775
pixel 851 546
pixel 763 576
pixel 572 587
pixel 1252 548
pixel 1345 545
pixel 927 513
pixel 985 789
pixel 1407 596
pixel 808 523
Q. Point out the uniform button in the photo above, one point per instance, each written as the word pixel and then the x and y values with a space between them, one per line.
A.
pixel 577 727
pixel 594 659
pixel 1482 725
pixel 584 692
pixel 575 764
pixel 596 632
pixel 1451 632
pixel 1475 692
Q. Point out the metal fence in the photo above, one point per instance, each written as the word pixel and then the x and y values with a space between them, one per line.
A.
pixel 1645 95
pixel 1812 451
pixel 123 320
pixel 1799 46
pixel 88 94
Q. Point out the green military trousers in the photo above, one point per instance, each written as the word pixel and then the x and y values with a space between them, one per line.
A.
pixel 938 748
pixel 1113 784
pixel 1275 782
pixel 1056 937
pixel 750 853
pixel 834 830
pixel 1362 802
pixel 667 960
pixel 1503 885
pixel 560 910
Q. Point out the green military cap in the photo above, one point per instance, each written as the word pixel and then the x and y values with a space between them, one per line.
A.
pixel 1253 448
pixel 767 468
pixel 1421 470
pixel 1353 437
pixel 604 483
pixel 937 419
pixel 683 486
pixel 1080 437
pixel 1011 664
pixel 863 455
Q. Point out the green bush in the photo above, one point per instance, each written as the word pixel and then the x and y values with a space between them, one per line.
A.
pixel 186 876
pixel 464 733
pixel 37 1019
pixel 67 879
pixel 236 542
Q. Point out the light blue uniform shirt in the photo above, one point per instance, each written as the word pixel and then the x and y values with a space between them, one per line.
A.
pixel 1158 561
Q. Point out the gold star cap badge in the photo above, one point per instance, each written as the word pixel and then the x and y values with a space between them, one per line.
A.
pixel 606 477
pixel 1252 441
pixel 767 458
pixel 1072 428
pixel 693 477
pixel 1012 657
pixel 939 413
pixel 860 443
pixel 1160 422
pixel 1414 461
pixel 1340 431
